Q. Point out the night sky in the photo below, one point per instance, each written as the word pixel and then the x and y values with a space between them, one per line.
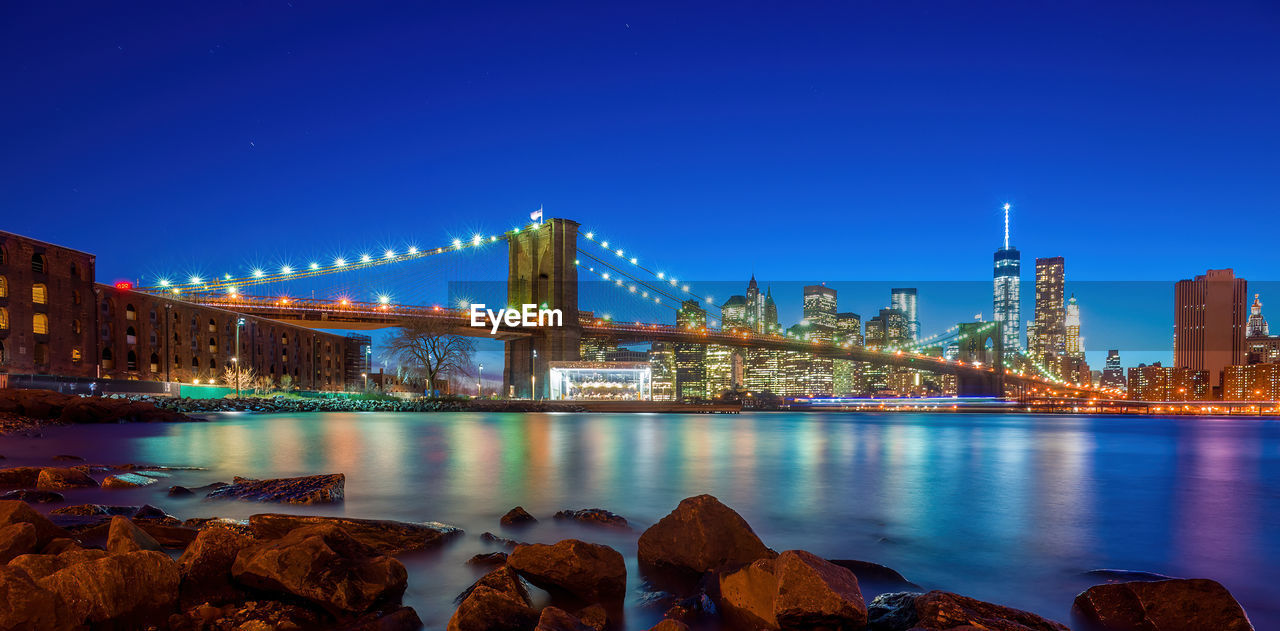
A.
pixel 860 141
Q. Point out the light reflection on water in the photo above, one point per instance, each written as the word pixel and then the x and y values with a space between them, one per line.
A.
pixel 1006 508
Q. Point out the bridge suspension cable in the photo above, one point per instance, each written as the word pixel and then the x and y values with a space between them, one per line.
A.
pixel 666 279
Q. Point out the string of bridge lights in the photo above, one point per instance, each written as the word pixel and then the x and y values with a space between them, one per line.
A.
pixel 259 276
pixel 634 289
pixel 662 276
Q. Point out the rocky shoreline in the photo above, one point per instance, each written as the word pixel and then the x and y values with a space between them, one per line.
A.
pixel 26 411
pixel 702 567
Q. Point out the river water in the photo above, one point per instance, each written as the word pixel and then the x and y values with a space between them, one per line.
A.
pixel 1007 508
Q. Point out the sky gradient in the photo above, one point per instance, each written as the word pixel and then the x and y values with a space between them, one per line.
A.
pixel 841 143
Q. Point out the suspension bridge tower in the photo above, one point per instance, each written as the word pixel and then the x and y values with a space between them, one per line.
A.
pixel 542 271
pixel 981 342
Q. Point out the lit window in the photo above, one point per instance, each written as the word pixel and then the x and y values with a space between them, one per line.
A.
pixel 4 319
pixel 37 263
pixel 75 327
pixel 40 324
pixel 39 294
pixel 130 313
pixel 75 355
pixel 4 287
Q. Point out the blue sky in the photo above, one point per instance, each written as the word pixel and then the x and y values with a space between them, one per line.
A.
pixel 841 142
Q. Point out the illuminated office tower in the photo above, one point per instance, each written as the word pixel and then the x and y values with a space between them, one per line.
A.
pixel 1075 348
pixel 1113 373
pixel 1209 322
pixel 691 358
pixel 1257 325
pixel 753 306
pixel 770 313
pixel 1007 290
pixel 1050 341
pixel 735 315
pixel 846 374
pixel 904 299
pixel 662 367
pixel 820 310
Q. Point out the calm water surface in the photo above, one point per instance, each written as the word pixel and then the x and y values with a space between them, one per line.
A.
pixel 1006 508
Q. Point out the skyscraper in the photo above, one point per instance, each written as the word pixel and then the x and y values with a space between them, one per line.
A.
pixel 770 312
pixel 735 315
pixel 1257 324
pixel 904 299
pixel 691 358
pixel 1113 374
pixel 754 306
pixel 1051 315
pixel 1209 322
pixel 820 310
pixel 1075 347
pixel 1007 291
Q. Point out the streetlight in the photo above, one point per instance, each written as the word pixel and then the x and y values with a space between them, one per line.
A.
pixel 479 379
pixel 236 359
pixel 533 379
pixel 366 380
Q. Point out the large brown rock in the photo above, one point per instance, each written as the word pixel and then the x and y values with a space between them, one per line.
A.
pixel 701 535
pixel 205 566
pixel 325 565
pixel 496 602
pixel 120 591
pixel 19 476
pixel 1168 605
pixel 670 625
pixel 594 517
pixel 517 516
pixel 310 489
pixel 123 536
pixel 590 572
pixel 937 610
pixel 402 619
pixel 16 540
pixel 12 512
pixel 556 619
pixel 385 536
pixel 127 481
pixel 798 590
pixel 26 605
pixel 59 478
pixel 38 566
pixel 32 496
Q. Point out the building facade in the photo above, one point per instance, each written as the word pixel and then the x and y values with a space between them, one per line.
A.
pixel 1007 296
pixel 1050 335
pixel 904 299
pixel 1209 322
pixel 47 315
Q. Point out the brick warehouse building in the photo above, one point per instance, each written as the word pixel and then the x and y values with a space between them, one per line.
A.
pixel 55 320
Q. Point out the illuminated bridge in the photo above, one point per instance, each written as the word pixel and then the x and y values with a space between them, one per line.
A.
pixel 544 265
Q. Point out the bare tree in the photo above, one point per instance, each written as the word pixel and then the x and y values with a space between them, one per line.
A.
pixel 430 347
pixel 246 376
pixel 286 383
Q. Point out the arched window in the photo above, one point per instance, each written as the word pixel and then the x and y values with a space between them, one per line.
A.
pixel 75 273
pixel 213 326
pixel 284 339
pixel 40 324
pixel 213 365
pixel 107 362
pixel 75 355
pixel 75 296
pixel 3 358
pixel 153 316
pixel 155 363
pixel 37 263
pixel 132 361
pixel 75 327
pixel 213 345
pixel 4 287
pixel 130 336
pixel 4 318
pixel 195 362
pixel 39 294
pixel 153 338
pixel 176 360
pixel 130 313
pixel 42 354
pixel 4 256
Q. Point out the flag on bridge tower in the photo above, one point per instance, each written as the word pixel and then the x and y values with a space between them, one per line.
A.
pixel 536 215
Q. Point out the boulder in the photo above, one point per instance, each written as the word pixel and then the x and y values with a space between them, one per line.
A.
pixel 16 539
pixel 167 535
pixel 877 575
pixel 26 605
pixel 798 590
pixel 747 596
pixel 489 537
pixel 496 602
pixel 32 496
pixel 38 566
pixel 205 566
pixel 20 476
pixel 200 523
pixel 251 615
pixel 87 510
pixel 58 478
pixel 700 535
pixel 1195 603
pixel 590 572
pixel 150 512
pixel 385 536
pixel 180 491
pixel 937 610
pixel 595 616
pixel 595 517
pixel 120 591
pixel 556 619
pixel 60 545
pixel 126 481
pixel 311 489
pixel 492 558
pixel 12 512
pixel 324 565
pixel 123 536
pixel 517 516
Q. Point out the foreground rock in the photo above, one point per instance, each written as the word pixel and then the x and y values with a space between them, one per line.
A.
pixel 324 565
pixel 20 476
pixel 876 574
pixel 121 591
pixel 556 619
pixel 700 535
pixel 205 566
pixel 1169 604
pixel 797 590
pixel 385 536
pixel 16 540
pixel 937 611
pixel 594 517
pixel 57 479
pixel 26 605
pixel 496 602
pixel 12 512
pixel 517 516
pixel 311 489
pixel 124 536
pixel 32 496
pixel 589 572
